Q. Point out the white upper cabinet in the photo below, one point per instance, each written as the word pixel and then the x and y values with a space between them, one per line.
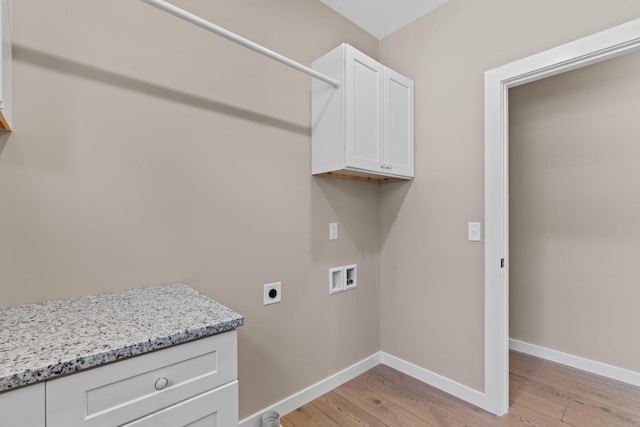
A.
pixel 5 65
pixel 364 129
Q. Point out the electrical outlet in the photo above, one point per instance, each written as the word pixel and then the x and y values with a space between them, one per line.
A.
pixel 272 293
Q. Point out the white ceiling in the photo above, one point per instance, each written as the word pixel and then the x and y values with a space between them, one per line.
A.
pixel 382 17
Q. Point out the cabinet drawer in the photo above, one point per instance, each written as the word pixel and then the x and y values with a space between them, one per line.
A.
pixel 217 408
pixel 121 392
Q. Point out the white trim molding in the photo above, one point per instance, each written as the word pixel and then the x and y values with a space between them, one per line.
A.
pixel 438 381
pixel 609 44
pixel 584 364
pixel 316 390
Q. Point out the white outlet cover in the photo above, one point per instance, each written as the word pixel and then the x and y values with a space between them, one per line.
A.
pixel 267 300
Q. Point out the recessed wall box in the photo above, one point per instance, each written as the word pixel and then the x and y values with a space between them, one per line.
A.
pixel 336 280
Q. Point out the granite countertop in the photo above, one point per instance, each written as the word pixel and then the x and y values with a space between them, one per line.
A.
pixel 46 340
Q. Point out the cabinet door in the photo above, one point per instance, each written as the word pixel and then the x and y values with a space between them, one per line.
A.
pixel 23 407
pixel 363 121
pixel 398 123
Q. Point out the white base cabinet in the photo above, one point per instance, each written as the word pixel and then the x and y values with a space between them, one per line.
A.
pixel 192 384
pixel 363 129
pixel 23 407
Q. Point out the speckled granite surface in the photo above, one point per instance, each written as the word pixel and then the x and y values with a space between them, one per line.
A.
pixel 42 341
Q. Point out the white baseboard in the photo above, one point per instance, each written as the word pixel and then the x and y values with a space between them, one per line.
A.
pixel 314 391
pixel 438 381
pixel 598 368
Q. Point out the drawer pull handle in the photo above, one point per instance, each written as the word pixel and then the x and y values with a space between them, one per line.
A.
pixel 161 383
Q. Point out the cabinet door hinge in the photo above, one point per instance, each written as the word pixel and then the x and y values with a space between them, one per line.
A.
pixel 501 262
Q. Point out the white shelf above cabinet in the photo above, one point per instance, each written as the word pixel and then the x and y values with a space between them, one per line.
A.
pixel 364 129
pixel 5 65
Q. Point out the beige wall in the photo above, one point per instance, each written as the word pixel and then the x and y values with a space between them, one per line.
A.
pixel 575 205
pixel 432 278
pixel 147 151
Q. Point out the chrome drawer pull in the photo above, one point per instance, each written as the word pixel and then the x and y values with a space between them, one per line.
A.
pixel 161 383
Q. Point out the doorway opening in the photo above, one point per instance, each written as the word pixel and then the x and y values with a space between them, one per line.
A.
pixel 593 49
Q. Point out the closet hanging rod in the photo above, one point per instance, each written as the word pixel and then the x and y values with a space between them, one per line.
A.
pixel 202 23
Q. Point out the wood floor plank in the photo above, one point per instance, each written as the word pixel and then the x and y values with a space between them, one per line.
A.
pixel 533 365
pixel 285 422
pixel 524 415
pixel 576 401
pixel 568 382
pixel 412 402
pixel 310 416
pixel 446 401
pixel 547 407
pixel 345 412
pixel 382 409
pixel 577 418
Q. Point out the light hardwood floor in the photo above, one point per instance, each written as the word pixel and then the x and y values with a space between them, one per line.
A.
pixel 541 394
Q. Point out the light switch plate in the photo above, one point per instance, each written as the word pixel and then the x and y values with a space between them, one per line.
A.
pixel 333 231
pixel 475 235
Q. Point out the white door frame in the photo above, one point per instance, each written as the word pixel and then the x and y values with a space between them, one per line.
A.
pixel 599 47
